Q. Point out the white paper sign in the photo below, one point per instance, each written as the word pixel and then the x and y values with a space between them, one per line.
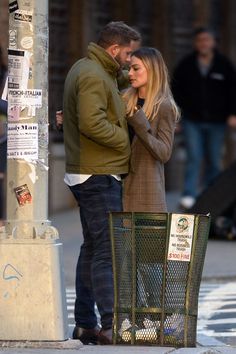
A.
pixel 181 237
pixel 21 98
pixel 22 141
pixel 18 68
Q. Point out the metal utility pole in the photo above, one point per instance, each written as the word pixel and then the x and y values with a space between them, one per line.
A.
pixel 32 293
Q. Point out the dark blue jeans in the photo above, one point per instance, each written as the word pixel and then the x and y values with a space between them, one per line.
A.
pixel 94 280
pixel 204 141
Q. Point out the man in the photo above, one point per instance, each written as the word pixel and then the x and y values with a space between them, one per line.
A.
pixel 204 86
pixel 97 153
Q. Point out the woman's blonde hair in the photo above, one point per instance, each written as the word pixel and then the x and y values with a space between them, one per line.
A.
pixel 158 88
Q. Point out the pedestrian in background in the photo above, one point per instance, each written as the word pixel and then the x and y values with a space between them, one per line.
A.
pixel 204 87
pixel 97 152
pixel 3 137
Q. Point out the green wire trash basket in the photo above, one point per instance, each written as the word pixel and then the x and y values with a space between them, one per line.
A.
pixel 157 267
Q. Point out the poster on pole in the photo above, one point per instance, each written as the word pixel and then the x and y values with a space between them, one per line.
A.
pixel 18 76
pixel 19 99
pixel 28 98
pixel 18 68
pixel 181 237
pixel 22 141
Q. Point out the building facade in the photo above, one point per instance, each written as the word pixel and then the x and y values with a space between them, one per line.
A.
pixel 164 24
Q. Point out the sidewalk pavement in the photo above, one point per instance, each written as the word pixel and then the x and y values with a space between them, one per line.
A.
pixel 70 233
pixel 64 348
pixel 219 261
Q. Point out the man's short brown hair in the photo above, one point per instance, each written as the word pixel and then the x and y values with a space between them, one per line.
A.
pixel 117 33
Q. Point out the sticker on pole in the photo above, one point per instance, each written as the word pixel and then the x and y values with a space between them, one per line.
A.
pixel 23 195
pixel 13 6
pixel 12 40
pixel 181 237
pixel 23 16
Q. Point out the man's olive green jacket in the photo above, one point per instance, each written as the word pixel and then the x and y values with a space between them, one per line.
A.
pixel 95 129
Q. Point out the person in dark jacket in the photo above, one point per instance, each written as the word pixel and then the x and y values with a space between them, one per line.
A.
pixel 204 87
pixel 97 152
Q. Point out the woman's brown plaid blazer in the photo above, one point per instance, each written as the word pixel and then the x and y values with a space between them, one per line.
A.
pixel 144 187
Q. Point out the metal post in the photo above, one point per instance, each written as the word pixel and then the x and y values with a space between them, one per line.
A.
pixel 32 293
pixel 27 191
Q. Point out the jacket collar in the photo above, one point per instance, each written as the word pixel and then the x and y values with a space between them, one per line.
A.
pixel 97 53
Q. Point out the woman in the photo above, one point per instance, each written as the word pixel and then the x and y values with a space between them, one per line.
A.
pixel 152 131
pixel 152 115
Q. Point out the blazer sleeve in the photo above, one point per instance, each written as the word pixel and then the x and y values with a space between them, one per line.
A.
pixel 160 143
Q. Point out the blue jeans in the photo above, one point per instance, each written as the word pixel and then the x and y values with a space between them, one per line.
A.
pixel 94 279
pixel 204 142
pixel 3 107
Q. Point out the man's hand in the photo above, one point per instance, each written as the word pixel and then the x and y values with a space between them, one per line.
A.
pixel 59 120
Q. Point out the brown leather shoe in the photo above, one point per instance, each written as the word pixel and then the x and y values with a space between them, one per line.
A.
pixel 86 336
pixel 105 336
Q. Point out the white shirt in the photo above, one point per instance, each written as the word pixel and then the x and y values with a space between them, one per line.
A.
pixel 71 179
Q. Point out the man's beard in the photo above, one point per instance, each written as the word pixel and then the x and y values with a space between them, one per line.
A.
pixel 119 60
